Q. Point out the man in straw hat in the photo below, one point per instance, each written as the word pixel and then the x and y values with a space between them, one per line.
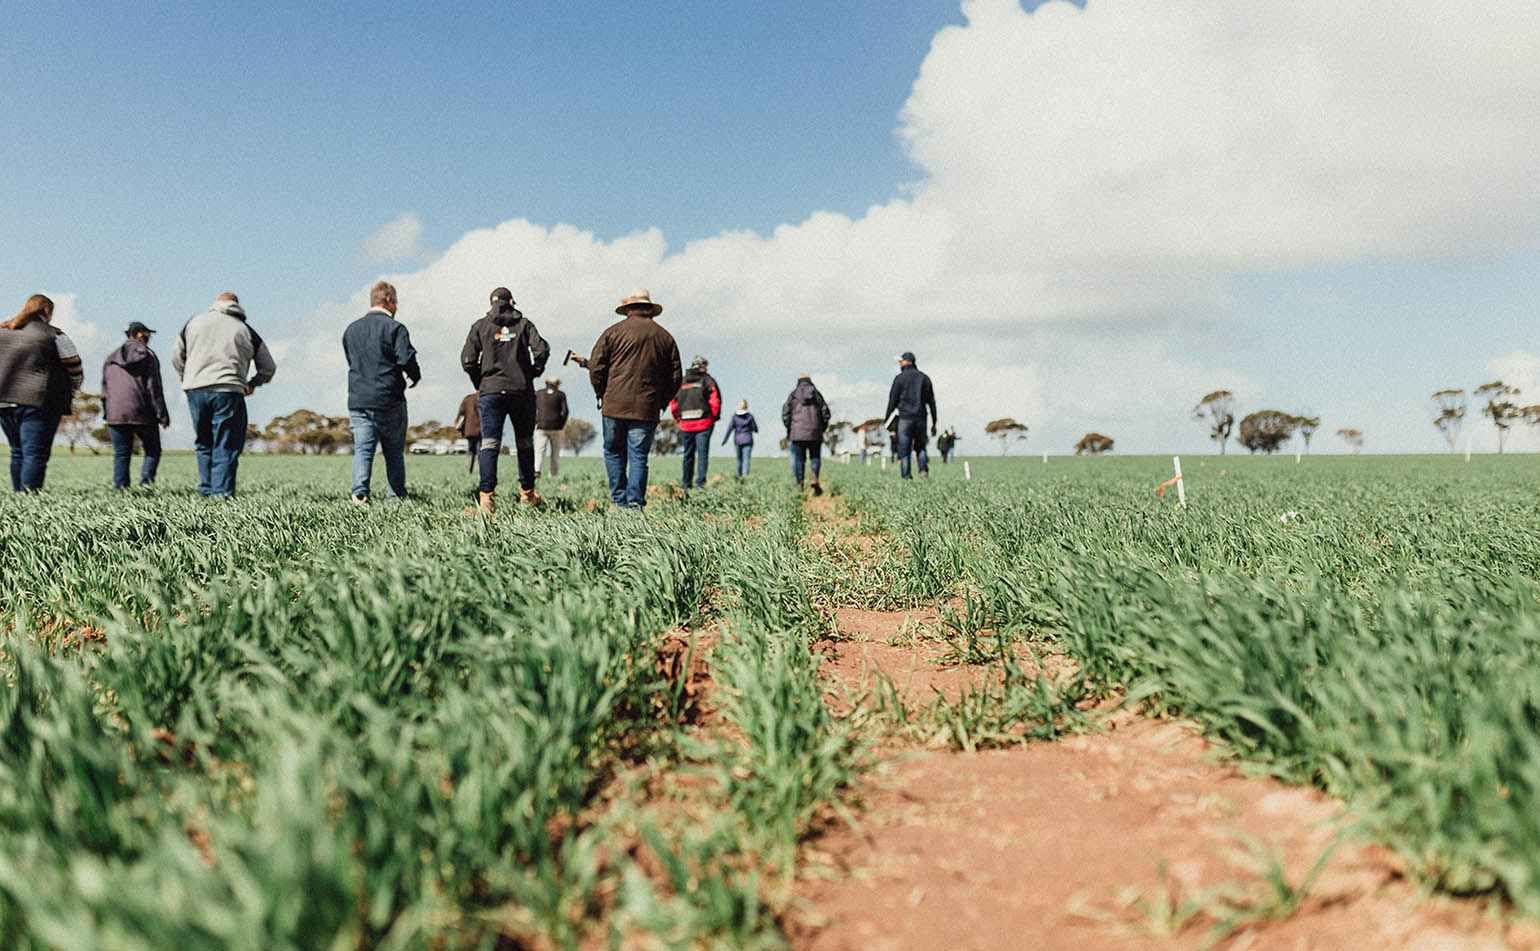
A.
pixel 634 369
pixel 550 417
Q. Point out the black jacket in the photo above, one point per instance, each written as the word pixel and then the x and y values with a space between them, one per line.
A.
pixel 503 352
pixel 911 395
pixel 550 408
pixel 380 360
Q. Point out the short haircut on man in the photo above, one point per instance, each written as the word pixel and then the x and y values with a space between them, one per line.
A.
pixel 381 293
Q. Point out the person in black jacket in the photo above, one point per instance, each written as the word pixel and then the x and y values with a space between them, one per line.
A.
pixel 503 355
pixel 380 361
pixel 134 405
pixel 550 417
pixel 911 395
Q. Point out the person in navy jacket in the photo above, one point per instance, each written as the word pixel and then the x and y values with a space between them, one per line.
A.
pixel 380 361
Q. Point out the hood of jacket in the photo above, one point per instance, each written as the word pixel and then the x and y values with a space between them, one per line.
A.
pixel 229 308
pixel 504 314
pixel 694 375
pixel 131 354
pixel 805 391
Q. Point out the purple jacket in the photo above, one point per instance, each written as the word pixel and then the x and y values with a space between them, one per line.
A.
pixel 131 387
pixel 741 427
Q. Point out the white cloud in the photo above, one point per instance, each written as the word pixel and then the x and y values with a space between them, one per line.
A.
pixel 1090 180
pixel 396 241
pixel 1520 369
pixel 89 338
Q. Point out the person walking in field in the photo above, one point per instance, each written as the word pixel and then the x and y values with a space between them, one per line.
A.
pixel 634 369
pixel 550 417
pixel 503 355
pixel 912 396
pixel 40 371
pixel 806 416
pixel 134 405
pixel 214 357
pixel 741 429
pixel 946 443
pixel 468 422
pixel 697 407
pixel 381 359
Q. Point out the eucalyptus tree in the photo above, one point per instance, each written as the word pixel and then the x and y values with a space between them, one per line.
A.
pixel 1451 414
pixel 1216 411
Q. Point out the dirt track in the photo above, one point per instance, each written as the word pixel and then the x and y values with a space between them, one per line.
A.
pixel 1139 837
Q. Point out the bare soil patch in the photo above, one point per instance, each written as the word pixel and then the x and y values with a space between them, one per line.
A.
pixel 1139 837
pixel 1096 842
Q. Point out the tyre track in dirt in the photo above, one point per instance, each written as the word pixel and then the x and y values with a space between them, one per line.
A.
pixel 1142 836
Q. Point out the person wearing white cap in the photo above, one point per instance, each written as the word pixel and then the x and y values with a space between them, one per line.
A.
pixel 635 371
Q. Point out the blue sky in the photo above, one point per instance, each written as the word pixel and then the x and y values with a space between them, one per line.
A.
pixel 1083 218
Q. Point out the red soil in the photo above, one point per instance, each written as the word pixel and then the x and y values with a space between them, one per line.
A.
pixel 1096 841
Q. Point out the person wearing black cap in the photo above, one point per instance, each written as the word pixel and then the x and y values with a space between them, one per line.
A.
pixel 134 405
pixel 911 395
pixel 503 356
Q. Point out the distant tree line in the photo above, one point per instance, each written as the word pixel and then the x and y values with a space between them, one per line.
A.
pixel 1496 400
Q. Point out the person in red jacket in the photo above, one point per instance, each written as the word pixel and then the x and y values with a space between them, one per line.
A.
pixel 697 406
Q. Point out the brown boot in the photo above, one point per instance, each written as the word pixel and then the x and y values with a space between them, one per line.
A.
pixel 529 496
pixel 817 489
pixel 486 503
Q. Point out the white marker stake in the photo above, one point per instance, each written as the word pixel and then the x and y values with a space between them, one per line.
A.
pixel 884 462
pixel 967 472
pixel 1181 488
pixel 1467 447
pixel 1296 458
pixel 1045 457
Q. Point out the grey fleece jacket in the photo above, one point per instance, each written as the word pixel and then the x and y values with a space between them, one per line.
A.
pixel 216 350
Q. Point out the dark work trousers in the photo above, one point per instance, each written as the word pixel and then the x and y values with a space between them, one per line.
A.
pixel 123 451
pixel 519 410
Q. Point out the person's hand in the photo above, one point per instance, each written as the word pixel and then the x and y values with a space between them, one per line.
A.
pixel 933 429
pixel 250 389
pixel 165 426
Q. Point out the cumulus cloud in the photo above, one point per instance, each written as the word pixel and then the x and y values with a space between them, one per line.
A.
pixel 89 337
pixel 396 241
pixel 1089 180
pixel 1519 369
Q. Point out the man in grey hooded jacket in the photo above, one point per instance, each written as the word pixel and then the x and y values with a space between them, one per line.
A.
pixel 213 356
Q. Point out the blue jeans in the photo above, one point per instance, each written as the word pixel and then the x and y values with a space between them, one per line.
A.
pixel 385 428
pixel 745 453
pixel 802 451
pixel 30 432
pixel 696 446
pixel 911 438
pixel 219 435
pixel 519 410
pixel 123 451
pixel 626 444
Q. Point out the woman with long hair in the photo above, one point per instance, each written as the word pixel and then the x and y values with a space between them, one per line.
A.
pixel 39 373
